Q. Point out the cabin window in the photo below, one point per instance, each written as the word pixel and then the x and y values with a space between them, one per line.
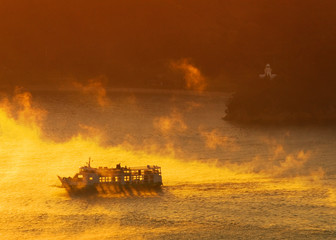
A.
pixel 105 179
pixel 80 176
pixel 91 178
pixel 126 178
pixel 116 179
pixel 137 177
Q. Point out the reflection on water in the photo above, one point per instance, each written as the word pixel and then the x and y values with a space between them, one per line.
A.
pixel 220 180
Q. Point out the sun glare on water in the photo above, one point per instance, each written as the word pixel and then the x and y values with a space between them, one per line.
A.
pixel 25 153
pixel 30 189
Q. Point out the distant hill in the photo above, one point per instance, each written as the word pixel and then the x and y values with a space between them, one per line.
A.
pixel 280 102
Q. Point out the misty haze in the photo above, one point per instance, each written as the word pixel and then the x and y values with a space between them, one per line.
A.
pixel 234 102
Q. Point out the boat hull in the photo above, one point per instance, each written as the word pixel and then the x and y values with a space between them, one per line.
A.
pixel 74 188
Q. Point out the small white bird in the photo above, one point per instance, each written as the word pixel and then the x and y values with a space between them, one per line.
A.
pixel 268 72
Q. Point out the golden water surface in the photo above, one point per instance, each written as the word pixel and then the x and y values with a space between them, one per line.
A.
pixel 221 180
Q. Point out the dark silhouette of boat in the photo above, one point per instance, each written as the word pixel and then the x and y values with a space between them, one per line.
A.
pixel 90 180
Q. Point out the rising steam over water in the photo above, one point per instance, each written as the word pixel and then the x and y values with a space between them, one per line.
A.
pixel 220 180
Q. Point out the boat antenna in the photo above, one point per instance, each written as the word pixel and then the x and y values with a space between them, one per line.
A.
pixel 89 163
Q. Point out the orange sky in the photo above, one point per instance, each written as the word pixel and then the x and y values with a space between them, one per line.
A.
pixel 133 42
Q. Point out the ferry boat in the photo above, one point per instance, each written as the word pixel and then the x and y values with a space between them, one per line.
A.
pixel 113 180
